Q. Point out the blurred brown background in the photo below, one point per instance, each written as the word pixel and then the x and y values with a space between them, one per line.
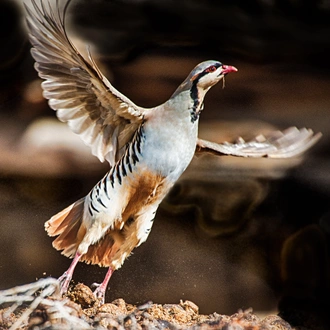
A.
pixel 233 233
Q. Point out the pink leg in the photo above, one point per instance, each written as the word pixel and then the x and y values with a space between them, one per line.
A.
pixel 101 288
pixel 66 277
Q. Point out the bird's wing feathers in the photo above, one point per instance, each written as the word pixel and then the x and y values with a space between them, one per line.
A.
pixel 278 144
pixel 82 96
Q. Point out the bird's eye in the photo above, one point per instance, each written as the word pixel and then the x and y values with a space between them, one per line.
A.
pixel 211 69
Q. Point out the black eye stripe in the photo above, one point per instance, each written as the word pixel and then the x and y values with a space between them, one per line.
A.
pixel 205 72
pixel 212 68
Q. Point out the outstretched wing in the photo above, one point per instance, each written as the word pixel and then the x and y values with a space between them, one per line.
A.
pixel 278 144
pixel 104 118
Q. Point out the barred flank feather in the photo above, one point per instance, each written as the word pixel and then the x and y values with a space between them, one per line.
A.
pixel 68 226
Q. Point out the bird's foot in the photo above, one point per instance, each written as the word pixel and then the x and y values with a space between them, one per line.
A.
pixel 99 292
pixel 64 281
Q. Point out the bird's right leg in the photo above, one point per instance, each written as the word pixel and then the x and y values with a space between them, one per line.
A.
pixel 67 276
pixel 101 288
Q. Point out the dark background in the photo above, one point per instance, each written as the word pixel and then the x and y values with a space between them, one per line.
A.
pixel 234 233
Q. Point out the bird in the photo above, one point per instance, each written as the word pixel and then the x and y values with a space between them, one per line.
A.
pixel 147 148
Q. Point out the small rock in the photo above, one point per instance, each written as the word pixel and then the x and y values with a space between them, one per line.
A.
pixel 274 322
pixel 82 295
pixel 120 303
pixel 112 309
pixel 189 306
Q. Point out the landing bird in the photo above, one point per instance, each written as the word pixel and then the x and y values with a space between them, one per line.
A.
pixel 147 149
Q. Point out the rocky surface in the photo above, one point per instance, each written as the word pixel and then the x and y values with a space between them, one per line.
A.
pixel 81 310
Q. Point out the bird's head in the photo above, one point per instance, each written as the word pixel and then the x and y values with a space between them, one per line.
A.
pixel 199 81
pixel 204 76
pixel 208 73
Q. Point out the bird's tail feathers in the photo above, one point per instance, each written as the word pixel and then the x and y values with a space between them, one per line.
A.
pixel 67 225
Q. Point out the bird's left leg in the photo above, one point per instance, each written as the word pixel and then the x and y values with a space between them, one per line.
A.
pixel 99 293
pixel 67 276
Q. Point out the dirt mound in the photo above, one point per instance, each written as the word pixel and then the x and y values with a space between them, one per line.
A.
pixel 39 306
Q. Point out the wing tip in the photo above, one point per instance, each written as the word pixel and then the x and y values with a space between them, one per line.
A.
pixel 289 143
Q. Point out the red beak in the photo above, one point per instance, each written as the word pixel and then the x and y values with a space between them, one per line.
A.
pixel 228 68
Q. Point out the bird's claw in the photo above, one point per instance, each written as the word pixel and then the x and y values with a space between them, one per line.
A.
pixel 64 282
pixel 99 292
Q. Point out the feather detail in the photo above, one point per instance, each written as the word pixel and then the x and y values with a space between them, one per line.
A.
pixel 77 89
pixel 101 253
pixel 67 225
pixel 278 144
